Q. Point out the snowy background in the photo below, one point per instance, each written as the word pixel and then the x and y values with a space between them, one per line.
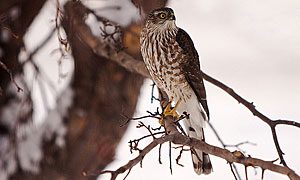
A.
pixel 252 46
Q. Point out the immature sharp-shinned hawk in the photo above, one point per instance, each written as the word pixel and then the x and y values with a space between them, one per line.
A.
pixel 173 63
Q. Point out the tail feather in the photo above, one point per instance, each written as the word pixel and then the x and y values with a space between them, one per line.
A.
pixel 206 165
pixel 194 127
pixel 201 160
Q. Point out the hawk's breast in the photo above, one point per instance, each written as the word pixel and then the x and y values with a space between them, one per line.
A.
pixel 163 57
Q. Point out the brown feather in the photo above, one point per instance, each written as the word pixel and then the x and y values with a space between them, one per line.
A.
pixel 191 68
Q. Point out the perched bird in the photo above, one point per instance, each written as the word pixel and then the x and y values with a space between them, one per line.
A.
pixel 173 63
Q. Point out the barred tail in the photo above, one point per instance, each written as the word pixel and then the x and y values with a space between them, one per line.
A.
pixel 194 127
pixel 201 160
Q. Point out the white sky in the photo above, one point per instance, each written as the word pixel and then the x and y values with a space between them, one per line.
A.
pixel 252 46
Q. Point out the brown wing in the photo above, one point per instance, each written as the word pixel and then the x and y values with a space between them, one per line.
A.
pixel 191 68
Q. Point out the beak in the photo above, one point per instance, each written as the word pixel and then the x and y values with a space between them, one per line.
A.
pixel 172 17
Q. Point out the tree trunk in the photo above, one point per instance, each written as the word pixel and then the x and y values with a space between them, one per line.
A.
pixel 103 91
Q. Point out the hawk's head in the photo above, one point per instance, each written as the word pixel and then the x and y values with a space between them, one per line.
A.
pixel 161 18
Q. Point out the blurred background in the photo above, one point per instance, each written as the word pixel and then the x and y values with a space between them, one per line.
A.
pixel 67 118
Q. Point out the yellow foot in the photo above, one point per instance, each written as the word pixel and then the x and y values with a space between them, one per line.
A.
pixel 169 111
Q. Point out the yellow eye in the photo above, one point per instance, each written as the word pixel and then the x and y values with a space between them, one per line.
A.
pixel 162 15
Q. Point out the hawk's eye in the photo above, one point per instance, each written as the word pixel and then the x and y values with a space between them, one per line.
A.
pixel 162 15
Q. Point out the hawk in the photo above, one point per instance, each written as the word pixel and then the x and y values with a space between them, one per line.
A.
pixel 173 63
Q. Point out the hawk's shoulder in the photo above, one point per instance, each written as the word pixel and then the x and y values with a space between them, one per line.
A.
pixel 191 67
pixel 186 43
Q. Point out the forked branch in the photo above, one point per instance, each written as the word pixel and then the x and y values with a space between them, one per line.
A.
pixel 250 106
pixel 177 138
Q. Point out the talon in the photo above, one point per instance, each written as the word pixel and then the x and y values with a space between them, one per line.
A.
pixel 169 111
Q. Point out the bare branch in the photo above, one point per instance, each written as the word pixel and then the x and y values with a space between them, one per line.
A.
pixel 104 49
pixel 232 157
pixel 152 93
pixel 159 154
pixel 170 157
pixel 233 167
pixel 141 124
pixel 2 65
pixel 250 106
pixel 246 172
pixel 180 154
pixel 139 158
pixel 240 144
pixel 152 115
pixel 232 171
pixel 247 104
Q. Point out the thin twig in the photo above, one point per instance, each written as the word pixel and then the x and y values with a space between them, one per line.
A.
pixel 152 93
pixel 159 154
pixel 133 144
pixel 272 123
pixel 14 35
pixel 128 119
pixel 141 124
pixel 232 165
pixel 178 138
pixel 180 154
pixel 129 170
pixel 170 157
pixel 240 144
pixel 232 171
pixel 246 172
pixel 262 174
pixel 3 66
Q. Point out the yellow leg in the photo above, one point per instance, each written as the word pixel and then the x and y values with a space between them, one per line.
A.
pixel 169 111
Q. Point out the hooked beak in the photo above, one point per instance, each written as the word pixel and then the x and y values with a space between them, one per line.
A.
pixel 172 17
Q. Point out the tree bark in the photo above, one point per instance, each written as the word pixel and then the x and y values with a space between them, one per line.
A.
pixel 103 91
